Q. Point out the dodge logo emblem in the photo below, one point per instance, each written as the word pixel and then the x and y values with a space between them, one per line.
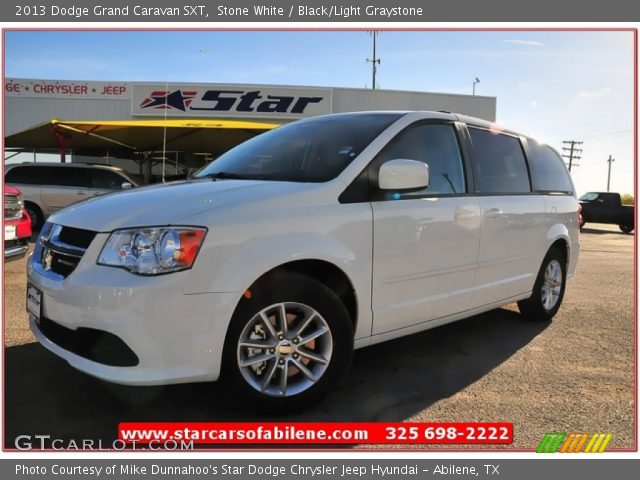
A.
pixel 47 259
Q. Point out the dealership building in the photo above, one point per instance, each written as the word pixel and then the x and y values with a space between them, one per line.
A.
pixel 157 130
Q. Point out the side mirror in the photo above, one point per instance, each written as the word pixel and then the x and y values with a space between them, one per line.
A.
pixel 403 174
pixel 126 185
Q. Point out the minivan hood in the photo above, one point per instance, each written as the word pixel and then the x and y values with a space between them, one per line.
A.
pixel 167 204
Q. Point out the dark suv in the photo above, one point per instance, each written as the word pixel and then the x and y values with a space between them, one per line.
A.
pixel 48 187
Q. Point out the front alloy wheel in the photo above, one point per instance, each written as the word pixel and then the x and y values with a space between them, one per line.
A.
pixel 288 343
pixel 284 349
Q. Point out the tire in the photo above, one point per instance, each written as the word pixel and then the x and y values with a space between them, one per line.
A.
pixel 548 291
pixel 37 218
pixel 292 374
pixel 626 228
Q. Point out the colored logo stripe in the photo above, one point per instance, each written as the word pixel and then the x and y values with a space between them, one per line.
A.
pixel 598 443
pixel 550 442
pixel 574 442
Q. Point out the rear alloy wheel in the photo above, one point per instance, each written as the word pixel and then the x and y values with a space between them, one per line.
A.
pixel 548 291
pixel 626 228
pixel 289 346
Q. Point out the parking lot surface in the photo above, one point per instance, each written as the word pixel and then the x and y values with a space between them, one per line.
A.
pixel 575 374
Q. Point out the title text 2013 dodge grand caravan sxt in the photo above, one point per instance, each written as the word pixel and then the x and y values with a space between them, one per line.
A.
pixel 296 247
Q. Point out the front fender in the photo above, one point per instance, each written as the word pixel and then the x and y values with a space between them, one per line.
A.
pixel 246 264
pixel 256 257
pixel 242 246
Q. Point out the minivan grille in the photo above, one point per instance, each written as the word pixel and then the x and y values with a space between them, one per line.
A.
pixel 12 206
pixel 77 237
pixel 63 248
pixel 61 263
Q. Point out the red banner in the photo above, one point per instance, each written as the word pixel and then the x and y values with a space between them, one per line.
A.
pixel 317 433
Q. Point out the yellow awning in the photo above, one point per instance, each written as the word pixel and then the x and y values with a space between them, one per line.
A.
pixel 188 135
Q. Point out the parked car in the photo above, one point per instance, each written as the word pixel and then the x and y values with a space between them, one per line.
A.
pixel 607 207
pixel 17 224
pixel 299 245
pixel 48 187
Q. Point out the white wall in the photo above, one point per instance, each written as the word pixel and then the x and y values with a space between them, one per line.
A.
pixel 350 100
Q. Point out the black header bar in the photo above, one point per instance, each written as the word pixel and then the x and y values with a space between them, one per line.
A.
pixel 318 11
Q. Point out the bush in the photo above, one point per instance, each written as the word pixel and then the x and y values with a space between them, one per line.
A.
pixel 627 199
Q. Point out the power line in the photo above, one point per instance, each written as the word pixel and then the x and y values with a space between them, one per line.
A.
pixel 571 152
pixel 609 134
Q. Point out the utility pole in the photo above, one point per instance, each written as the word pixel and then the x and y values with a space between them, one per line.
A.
pixel 571 152
pixel 374 61
pixel 610 160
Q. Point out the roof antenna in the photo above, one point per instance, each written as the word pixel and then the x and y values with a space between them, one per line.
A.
pixel 164 129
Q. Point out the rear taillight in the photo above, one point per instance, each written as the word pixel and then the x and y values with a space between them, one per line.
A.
pixel 580 214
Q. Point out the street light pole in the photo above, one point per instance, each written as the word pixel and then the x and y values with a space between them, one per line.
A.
pixel 475 82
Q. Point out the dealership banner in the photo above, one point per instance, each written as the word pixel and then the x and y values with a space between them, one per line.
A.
pixel 229 101
pixel 21 87
pixel 315 11
pixel 327 433
pixel 338 469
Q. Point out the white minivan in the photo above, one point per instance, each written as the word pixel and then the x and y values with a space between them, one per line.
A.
pixel 48 187
pixel 295 248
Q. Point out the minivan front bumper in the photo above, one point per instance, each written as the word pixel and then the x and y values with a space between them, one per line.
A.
pixel 175 337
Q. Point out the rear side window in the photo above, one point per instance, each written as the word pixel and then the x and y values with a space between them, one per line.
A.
pixel 499 163
pixel 547 170
pixel 25 175
pixel 47 175
pixel 437 146
pixel 65 177
pixel 106 180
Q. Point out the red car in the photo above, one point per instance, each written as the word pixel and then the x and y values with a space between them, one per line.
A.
pixel 17 224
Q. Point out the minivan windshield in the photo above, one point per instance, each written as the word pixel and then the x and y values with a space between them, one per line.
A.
pixel 314 150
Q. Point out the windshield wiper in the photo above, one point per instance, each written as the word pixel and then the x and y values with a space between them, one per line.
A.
pixel 248 176
pixel 228 175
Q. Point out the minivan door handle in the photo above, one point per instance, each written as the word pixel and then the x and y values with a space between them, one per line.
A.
pixel 493 213
pixel 80 192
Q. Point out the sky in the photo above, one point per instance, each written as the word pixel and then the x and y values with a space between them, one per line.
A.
pixel 554 86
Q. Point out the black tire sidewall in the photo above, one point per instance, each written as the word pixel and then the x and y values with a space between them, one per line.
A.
pixel 289 288
pixel 536 306
pixel 31 208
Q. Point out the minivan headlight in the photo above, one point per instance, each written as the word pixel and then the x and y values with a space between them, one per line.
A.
pixel 152 250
